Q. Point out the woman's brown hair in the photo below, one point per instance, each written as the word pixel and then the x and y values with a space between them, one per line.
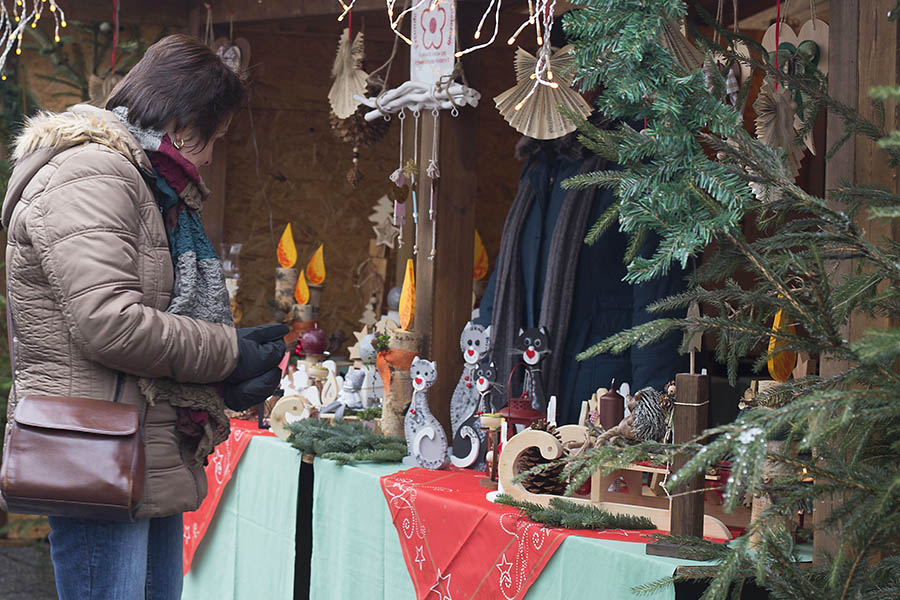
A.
pixel 179 81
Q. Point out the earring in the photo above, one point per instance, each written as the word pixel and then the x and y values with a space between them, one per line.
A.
pixel 179 144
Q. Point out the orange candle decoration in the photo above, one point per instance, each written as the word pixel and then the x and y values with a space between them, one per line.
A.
pixel 315 270
pixel 287 251
pixel 301 291
pixel 481 259
pixel 408 297
pixel 781 364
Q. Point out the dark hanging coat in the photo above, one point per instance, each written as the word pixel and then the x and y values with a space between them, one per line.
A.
pixel 603 304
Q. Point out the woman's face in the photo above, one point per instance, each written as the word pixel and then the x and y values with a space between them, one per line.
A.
pixel 193 149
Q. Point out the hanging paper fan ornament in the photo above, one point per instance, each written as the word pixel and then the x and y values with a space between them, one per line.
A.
pixel 349 78
pixel 540 117
pixel 775 111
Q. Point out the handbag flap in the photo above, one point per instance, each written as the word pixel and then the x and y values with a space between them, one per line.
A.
pixel 85 415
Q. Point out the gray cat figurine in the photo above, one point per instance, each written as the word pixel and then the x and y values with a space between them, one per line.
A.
pixel 426 441
pixel 475 344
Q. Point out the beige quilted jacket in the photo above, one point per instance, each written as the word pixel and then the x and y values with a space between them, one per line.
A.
pixel 89 276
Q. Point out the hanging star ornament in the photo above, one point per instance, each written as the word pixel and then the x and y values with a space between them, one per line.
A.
pixel 386 234
pixel 354 349
pixel 442 586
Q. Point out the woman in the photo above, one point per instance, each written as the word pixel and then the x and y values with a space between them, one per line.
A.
pixel 117 294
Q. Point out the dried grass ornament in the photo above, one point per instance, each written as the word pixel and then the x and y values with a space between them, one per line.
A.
pixel 775 111
pixel 349 78
pixel 540 116
pixel 346 116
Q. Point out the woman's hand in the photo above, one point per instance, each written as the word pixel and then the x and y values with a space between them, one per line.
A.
pixel 257 375
pixel 259 350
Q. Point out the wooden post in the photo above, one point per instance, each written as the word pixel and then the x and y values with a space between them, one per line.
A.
pixel 444 284
pixel 691 411
pixel 843 85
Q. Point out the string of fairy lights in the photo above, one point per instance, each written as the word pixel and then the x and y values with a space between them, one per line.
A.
pixel 540 17
pixel 25 14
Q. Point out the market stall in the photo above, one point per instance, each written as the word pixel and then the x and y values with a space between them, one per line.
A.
pixel 497 409
pixel 433 200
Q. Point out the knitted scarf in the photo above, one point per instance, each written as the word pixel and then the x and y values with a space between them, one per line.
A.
pixel 199 291
pixel 562 265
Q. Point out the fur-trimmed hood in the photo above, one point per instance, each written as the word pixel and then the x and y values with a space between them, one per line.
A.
pixel 47 134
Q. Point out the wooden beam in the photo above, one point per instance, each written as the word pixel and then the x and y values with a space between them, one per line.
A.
pixel 242 11
pixel 444 284
pixel 171 13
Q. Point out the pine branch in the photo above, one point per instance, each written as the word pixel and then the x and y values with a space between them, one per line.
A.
pixel 346 442
pixel 570 515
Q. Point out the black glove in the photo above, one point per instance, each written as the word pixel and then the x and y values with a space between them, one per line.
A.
pixel 259 350
pixel 250 392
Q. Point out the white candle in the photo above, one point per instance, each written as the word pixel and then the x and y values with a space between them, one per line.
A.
pixel 502 442
pixel 551 411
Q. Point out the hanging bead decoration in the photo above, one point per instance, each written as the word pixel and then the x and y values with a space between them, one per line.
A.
pixel 411 168
pixel 398 177
pixel 433 174
pixel 12 25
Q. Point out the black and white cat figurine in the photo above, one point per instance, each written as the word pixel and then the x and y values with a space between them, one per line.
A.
pixel 474 343
pixel 486 383
pixel 426 441
pixel 470 440
pixel 533 344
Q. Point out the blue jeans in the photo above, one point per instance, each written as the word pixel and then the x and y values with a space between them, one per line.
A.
pixel 107 560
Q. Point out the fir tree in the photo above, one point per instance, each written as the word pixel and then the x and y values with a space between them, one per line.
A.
pixel 686 177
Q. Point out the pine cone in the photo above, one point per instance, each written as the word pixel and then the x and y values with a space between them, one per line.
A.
pixel 546 482
pixel 356 130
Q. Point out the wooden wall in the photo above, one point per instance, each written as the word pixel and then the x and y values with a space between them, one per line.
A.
pixel 299 175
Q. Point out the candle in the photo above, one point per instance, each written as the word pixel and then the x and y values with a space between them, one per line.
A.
pixel 551 411
pixel 499 446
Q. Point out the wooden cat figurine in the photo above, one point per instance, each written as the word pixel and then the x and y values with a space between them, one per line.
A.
pixel 470 441
pixel 474 342
pixel 534 345
pixel 425 437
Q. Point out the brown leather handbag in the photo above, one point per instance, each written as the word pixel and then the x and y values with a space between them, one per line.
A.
pixel 73 457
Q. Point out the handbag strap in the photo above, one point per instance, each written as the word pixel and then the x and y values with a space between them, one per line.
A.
pixel 11 334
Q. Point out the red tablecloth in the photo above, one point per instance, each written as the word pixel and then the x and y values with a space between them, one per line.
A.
pixel 222 464
pixel 458 544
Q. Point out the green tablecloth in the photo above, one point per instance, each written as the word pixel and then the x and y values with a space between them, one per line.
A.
pixel 248 551
pixel 356 551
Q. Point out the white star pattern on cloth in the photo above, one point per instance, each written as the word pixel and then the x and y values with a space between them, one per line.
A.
pixel 420 556
pixel 442 586
pixel 504 567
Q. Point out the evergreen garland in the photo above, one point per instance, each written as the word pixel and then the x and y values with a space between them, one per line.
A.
pixel 570 515
pixel 345 442
pixel 686 177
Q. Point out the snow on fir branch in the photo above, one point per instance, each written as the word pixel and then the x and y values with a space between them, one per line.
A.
pixel 345 442
pixel 569 515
